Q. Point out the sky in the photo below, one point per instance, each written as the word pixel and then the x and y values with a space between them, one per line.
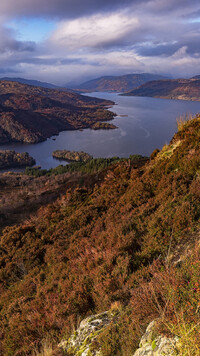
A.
pixel 70 41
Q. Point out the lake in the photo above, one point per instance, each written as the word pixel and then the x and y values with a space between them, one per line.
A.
pixel 143 125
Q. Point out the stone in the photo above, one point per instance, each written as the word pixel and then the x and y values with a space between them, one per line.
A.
pixel 156 345
pixel 79 343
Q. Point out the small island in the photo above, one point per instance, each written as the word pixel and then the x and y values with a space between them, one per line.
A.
pixel 12 159
pixel 72 156
pixel 103 126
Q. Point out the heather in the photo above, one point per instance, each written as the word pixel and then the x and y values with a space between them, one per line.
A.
pixel 121 239
pixel 32 114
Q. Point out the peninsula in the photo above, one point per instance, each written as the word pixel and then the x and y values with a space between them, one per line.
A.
pixel 31 114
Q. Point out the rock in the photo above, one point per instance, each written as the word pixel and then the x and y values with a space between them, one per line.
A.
pixel 79 344
pixel 154 345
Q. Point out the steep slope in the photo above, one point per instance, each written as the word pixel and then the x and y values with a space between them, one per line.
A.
pixel 104 242
pixel 118 83
pixel 182 89
pixel 31 114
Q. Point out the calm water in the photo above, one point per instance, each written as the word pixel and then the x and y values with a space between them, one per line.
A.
pixel 150 123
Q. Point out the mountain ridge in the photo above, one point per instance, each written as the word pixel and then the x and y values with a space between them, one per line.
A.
pixel 118 83
pixel 33 82
pixel 177 89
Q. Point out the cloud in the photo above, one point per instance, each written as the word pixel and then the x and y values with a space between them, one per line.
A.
pixel 61 8
pixel 65 9
pixel 7 70
pixel 98 31
pixel 93 38
pixel 9 43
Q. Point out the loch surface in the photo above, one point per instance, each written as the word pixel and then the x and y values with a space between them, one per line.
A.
pixel 143 125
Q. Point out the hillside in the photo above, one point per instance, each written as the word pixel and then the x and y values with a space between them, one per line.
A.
pixel 123 239
pixel 178 89
pixel 35 83
pixel 118 83
pixel 31 114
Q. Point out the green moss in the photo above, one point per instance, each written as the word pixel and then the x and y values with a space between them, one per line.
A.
pixel 86 341
pixel 82 349
pixel 168 150
pixel 71 350
pixel 89 353
pixel 153 345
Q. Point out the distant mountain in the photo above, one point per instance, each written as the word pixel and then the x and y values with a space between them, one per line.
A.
pixel 182 89
pixel 118 83
pixel 196 77
pixel 36 83
pixel 31 114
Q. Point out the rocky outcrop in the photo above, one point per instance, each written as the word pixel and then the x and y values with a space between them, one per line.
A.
pixel 12 159
pixel 73 156
pixel 156 345
pixel 82 341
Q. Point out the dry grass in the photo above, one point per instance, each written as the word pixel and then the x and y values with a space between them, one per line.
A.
pixel 116 306
pixel 46 348
pixel 188 333
pixel 182 120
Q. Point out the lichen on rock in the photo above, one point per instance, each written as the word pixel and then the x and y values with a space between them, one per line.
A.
pixel 156 345
pixel 80 343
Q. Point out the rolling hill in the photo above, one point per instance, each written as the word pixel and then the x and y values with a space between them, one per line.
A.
pixel 31 114
pixel 179 89
pixel 33 82
pixel 118 83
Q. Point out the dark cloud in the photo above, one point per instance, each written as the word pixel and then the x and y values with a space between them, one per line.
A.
pixel 9 43
pixel 61 8
pixel 53 61
pixel 159 50
pixel 193 15
pixel 171 5
pixel 77 8
pixel 190 42
pixel 8 70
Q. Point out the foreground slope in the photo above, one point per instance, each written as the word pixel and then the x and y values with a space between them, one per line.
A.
pixel 118 83
pixel 179 89
pixel 109 241
pixel 31 114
